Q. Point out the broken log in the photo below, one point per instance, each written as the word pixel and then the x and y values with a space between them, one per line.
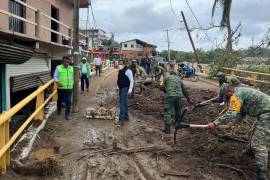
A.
pixel 171 173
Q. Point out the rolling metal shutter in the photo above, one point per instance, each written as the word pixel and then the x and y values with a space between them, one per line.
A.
pixel 29 74
pixel 13 53
pixel 22 82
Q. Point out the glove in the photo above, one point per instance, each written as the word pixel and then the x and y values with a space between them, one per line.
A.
pixel 190 102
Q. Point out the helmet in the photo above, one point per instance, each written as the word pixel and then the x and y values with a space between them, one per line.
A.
pixel 220 74
pixel 84 59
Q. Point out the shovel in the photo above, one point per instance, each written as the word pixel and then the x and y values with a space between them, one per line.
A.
pixel 204 103
pixel 182 125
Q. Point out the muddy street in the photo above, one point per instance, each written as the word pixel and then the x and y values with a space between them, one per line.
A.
pixel 95 149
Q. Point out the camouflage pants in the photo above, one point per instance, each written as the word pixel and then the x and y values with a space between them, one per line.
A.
pixel 172 104
pixel 260 140
pixel 142 86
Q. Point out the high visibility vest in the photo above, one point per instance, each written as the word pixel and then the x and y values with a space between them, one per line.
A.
pixel 65 77
pixel 88 67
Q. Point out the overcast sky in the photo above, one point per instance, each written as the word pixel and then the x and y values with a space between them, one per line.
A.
pixel 147 20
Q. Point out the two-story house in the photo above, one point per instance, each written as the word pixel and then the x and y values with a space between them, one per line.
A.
pixel 137 49
pixel 33 34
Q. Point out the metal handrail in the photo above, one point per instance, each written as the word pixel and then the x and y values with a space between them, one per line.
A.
pixel 38 114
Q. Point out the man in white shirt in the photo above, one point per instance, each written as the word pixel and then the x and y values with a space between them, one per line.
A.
pixel 85 74
pixel 98 64
pixel 125 84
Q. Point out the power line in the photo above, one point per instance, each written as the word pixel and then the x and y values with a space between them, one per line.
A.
pixel 173 11
pixel 192 12
pixel 93 15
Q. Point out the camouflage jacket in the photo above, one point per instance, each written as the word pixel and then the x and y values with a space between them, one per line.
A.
pixel 142 73
pixel 230 80
pixel 245 101
pixel 161 70
pixel 174 87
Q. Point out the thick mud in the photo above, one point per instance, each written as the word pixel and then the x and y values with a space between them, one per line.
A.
pixel 96 149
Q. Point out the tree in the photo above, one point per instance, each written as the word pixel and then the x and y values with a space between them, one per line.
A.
pixel 226 22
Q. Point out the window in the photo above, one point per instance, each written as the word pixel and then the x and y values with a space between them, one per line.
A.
pixel 54 25
pixel 125 45
pixel 132 45
pixel 14 23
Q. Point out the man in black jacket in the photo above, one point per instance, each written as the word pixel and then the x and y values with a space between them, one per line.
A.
pixel 125 84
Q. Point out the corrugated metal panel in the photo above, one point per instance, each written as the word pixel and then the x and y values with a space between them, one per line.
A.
pixel 38 63
pixel 22 82
pixel 14 54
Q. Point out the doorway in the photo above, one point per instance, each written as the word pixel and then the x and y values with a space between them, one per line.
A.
pixel 54 25
pixel 2 88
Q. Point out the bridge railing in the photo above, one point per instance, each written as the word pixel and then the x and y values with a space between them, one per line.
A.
pixel 253 77
pixel 5 140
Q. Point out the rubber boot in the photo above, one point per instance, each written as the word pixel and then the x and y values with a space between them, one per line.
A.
pixel 261 175
pixel 166 129
pixel 250 152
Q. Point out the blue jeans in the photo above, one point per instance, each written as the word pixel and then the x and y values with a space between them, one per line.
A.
pixel 123 94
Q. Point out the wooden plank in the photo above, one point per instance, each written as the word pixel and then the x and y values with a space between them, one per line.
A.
pixel 17 17
pixel 55 20
pixel 26 5
pixel 56 32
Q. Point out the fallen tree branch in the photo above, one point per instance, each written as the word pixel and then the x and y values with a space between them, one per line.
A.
pixel 232 168
pixel 228 137
pixel 171 173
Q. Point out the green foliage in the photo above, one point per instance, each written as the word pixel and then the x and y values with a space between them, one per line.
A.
pixel 226 10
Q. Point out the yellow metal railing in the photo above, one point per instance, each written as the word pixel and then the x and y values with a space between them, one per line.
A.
pixel 249 75
pixel 5 141
pixel 253 77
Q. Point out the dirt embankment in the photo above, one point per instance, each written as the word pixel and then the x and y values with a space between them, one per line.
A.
pixel 207 154
pixel 95 149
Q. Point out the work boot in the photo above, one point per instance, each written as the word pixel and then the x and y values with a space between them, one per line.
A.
pixel 67 117
pixel 166 129
pixel 119 123
pixel 261 175
pixel 250 152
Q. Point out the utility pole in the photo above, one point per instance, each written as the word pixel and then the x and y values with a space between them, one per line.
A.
pixel 92 42
pixel 168 40
pixel 76 56
pixel 190 37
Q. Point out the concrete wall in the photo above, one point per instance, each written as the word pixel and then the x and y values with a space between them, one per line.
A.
pixel 4 20
pixel 65 16
pixel 137 47
pixel 131 55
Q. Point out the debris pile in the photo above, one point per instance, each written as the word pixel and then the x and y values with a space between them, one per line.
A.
pixel 101 113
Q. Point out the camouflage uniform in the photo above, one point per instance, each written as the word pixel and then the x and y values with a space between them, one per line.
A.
pixel 228 79
pixel 175 90
pixel 152 68
pixel 255 104
pixel 143 75
pixel 160 71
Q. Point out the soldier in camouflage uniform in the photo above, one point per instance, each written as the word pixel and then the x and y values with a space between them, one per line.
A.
pixel 160 71
pixel 244 100
pixel 174 91
pixel 152 67
pixel 143 75
pixel 227 79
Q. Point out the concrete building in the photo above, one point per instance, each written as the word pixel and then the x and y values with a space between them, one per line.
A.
pixel 98 35
pixel 34 35
pixel 137 49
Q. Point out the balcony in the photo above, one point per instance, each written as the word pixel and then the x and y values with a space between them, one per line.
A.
pixel 31 24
